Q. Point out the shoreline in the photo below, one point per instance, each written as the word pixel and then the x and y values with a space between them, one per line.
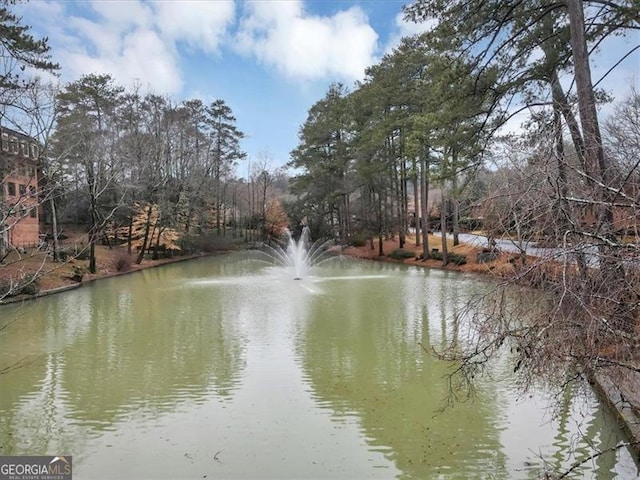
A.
pixel 622 400
pixel 91 278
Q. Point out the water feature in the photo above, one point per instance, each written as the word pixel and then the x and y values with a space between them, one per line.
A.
pixel 228 368
pixel 300 255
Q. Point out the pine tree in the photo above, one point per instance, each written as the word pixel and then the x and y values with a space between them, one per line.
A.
pixel 19 51
pixel 85 138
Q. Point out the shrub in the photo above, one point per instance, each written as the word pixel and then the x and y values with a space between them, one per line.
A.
pixel 188 243
pixel 25 286
pixel 487 257
pixel 5 288
pixel 400 254
pixel 204 243
pixel 122 261
pixel 457 259
pixel 82 254
pixel 30 288
pixel 454 258
pixel 358 240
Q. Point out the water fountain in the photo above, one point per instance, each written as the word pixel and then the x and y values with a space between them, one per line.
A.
pixel 299 255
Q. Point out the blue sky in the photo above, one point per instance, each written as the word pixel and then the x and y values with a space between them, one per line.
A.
pixel 270 60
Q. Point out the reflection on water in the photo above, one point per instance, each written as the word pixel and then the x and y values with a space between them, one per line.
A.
pixel 227 368
pixel 366 361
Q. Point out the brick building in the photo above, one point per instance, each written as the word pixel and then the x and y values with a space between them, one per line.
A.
pixel 19 201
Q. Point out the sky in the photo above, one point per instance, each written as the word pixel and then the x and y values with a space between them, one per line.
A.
pixel 269 60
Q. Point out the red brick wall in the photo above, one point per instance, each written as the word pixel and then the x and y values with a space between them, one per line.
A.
pixel 25 233
pixel 19 162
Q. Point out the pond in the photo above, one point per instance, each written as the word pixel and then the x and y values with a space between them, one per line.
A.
pixel 226 367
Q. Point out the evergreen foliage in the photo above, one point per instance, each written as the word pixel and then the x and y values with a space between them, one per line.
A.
pixel 20 51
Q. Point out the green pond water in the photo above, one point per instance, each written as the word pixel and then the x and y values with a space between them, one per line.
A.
pixel 228 368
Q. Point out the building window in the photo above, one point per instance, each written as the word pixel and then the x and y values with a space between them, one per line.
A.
pixel 22 189
pixel 14 145
pixel 32 190
pixel 34 151
pixel 11 189
pixel 33 213
pixel 5 142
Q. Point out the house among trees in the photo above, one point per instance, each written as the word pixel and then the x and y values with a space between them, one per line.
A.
pixel 19 201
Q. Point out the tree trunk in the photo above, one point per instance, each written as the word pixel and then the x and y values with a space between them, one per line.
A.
pixel 224 212
pixel 443 228
pixel 455 218
pixel 396 203
pixel 219 217
pixel 92 235
pixel 145 240
pixel 264 210
pixel 187 222
pixel 54 230
pixel 4 233
pixel 4 241
pixel 129 233
pixel 402 203
pixel 252 210
pixel 381 227
pixel 560 99
pixel 92 252
pixel 234 209
pixel 369 213
pixel 596 163
pixel 347 219
pixel 156 247
pixel 456 221
pixel 416 203
pixel 424 207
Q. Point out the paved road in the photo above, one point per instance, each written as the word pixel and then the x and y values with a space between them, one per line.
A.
pixel 529 247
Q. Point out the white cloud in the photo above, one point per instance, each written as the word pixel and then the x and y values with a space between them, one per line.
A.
pixel 103 41
pixel 407 28
pixel 122 46
pixel 123 13
pixel 298 45
pixel 141 57
pixel 133 40
pixel 201 24
pixel 46 18
pixel 146 57
pixel 143 39
pixel 403 28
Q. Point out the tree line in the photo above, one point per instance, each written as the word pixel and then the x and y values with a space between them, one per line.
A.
pixel 113 158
